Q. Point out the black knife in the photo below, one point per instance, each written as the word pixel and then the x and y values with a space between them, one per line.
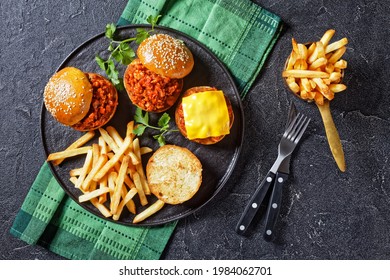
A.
pixel 281 177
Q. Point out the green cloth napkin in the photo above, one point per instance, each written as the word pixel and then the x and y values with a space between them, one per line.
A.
pixel 241 34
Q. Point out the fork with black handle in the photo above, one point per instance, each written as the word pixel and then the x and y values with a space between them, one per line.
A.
pixel 287 144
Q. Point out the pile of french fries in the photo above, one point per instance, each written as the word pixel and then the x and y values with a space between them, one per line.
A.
pixel 314 71
pixel 112 173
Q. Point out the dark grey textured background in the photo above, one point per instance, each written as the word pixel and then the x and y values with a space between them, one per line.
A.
pixel 326 214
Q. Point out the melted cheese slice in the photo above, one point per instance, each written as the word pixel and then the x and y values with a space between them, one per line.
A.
pixel 206 115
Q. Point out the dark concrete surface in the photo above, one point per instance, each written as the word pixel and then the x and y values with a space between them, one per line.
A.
pixel 326 214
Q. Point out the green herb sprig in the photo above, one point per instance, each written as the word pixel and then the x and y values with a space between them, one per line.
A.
pixel 142 121
pixel 121 51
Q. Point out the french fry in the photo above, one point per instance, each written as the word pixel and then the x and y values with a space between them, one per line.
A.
pixel 110 164
pixel 114 135
pixel 129 196
pixel 95 169
pixel 139 167
pixel 93 194
pixel 139 187
pixel 311 49
pixel 305 74
pixel 319 62
pixel 337 87
pixel 78 143
pixel 291 61
pixel 337 55
pixel 108 139
pixel 119 184
pixel 294 87
pixel 152 209
pixel 103 184
pixel 75 172
pixel 85 169
pixel 145 150
pixel 103 209
pixel 324 89
pixel 341 64
pixel 117 166
pixel 68 153
pixel 336 45
pixel 102 145
pixel 325 39
pixel 129 129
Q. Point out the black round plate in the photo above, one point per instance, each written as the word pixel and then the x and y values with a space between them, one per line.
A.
pixel 218 160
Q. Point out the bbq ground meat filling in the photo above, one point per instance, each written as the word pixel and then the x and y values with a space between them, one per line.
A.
pixel 150 91
pixel 104 101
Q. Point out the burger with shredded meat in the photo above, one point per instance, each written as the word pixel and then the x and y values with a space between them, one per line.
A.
pixel 154 80
pixel 83 101
pixel 204 115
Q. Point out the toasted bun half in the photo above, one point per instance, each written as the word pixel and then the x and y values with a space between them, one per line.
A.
pixel 174 174
pixel 68 95
pixel 148 90
pixel 166 56
pixel 180 122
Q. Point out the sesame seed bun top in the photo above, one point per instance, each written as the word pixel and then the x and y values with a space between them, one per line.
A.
pixel 68 95
pixel 166 56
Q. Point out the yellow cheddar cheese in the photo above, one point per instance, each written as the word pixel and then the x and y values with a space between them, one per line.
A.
pixel 206 114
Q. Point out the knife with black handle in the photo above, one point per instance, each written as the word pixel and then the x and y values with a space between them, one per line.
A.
pixel 274 205
pixel 254 204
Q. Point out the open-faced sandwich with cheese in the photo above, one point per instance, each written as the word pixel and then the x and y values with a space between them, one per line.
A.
pixel 204 115
pixel 154 81
pixel 83 101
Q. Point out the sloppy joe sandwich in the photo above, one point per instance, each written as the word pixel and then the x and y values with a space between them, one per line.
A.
pixel 83 101
pixel 154 80
pixel 174 174
pixel 204 115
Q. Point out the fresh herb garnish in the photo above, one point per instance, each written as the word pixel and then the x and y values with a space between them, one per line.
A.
pixel 142 121
pixel 121 51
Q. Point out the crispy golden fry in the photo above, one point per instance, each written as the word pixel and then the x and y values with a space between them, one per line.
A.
pixel 75 172
pixel 89 195
pixel 305 74
pixel 337 55
pixel 139 167
pixel 291 61
pixel 110 164
pixel 319 62
pixel 129 196
pixel 337 87
pixel 152 209
pixel 102 145
pixel 85 169
pixel 78 143
pixel 325 39
pixel 103 184
pixel 119 184
pixel 115 135
pixel 294 87
pixel 68 153
pixel 95 169
pixel 324 89
pixel 145 150
pixel 109 141
pixel 341 64
pixel 139 187
pixel 336 45
pixel 103 209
